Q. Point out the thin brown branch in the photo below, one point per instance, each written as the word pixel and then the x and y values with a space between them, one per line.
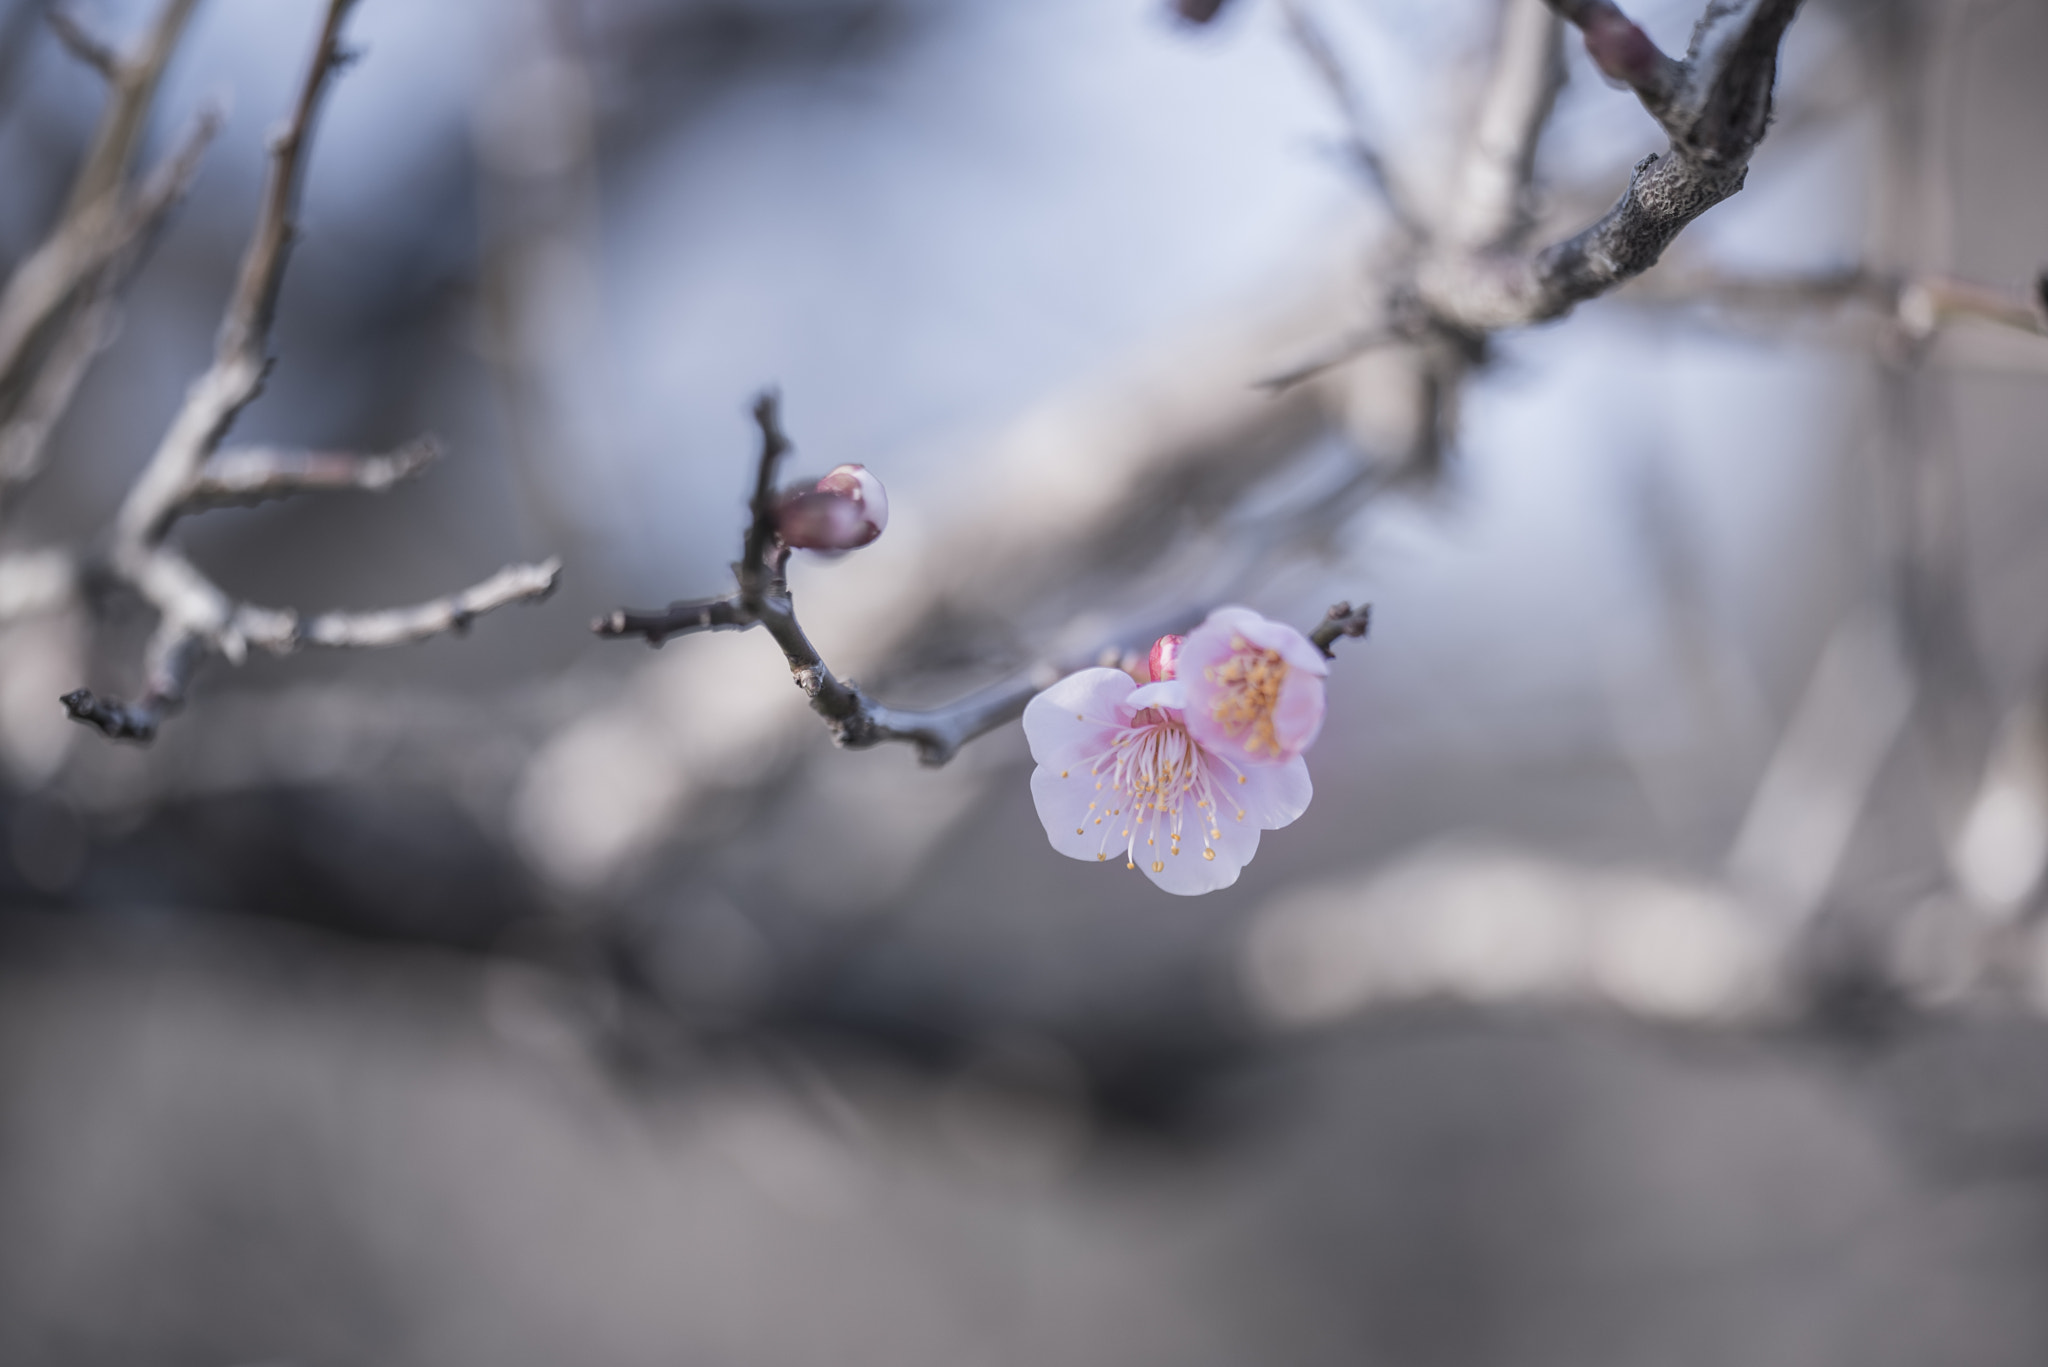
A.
pixel 81 42
pixel 94 249
pixel 437 617
pixel 1624 52
pixel 1364 154
pixel 133 84
pixel 685 618
pixel 763 599
pixel 240 354
pixel 45 395
pixel 258 474
pixel 1332 354
pixel 1919 305
pixel 1715 107
pixel 187 637
pixel 1491 208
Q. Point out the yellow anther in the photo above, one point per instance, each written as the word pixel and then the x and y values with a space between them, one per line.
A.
pixel 1101 856
pixel 1063 773
pixel 1240 778
pixel 1129 865
pixel 1159 866
pixel 1208 854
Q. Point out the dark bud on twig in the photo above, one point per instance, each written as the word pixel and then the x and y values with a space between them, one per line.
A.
pixel 1198 11
pixel 843 511
pixel 1621 50
pixel 1340 621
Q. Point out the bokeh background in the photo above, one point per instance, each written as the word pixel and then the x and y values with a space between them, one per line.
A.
pixel 1656 977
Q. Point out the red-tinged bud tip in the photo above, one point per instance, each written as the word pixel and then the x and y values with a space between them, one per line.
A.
pixel 1620 49
pixel 845 510
pixel 1165 661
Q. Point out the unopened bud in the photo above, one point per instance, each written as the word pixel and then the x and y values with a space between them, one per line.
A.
pixel 846 509
pixel 1622 51
pixel 1164 663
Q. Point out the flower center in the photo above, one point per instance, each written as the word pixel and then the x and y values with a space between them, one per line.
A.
pixel 1155 778
pixel 1249 690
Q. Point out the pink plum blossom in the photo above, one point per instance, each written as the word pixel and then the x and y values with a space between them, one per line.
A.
pixel 1255 687
pixel 1122 774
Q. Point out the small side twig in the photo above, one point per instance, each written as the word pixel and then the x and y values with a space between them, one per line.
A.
pixel 189 472
pixel 763 599
pixel 1715 107
pixel 82 43
pixel 252 475
pixel 1364 154
pixel 1340 621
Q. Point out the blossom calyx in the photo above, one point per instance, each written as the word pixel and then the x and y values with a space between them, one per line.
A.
pixel 845 510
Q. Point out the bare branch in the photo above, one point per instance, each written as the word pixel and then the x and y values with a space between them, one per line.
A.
pixel 25 436
pixel 240 359
pixel 1316 49
pixel 1715 106
pixel 1926 302
pixel 94 248
pixel 402 626
pixel 101 269
pixel 174 656
pixel 1920 305
pixel 82 43
pixel 1624 52
pixel 133 82
pixel 764 600
pixel 1349 347
pixel 856 721
pixel 258 474
pixel 187 636
pixel 189 472
pixel 1491 207
pixel 677 619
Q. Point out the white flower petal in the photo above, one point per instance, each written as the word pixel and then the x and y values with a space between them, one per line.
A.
pixel 1170 693
pixel 1076 828
pixel 1272 795
pixel 1191 871
pixel 1074 719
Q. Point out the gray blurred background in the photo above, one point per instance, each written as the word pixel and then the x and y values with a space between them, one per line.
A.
pixel 1655 978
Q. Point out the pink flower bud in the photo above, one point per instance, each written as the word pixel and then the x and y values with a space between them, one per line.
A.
pixel 1165 659
pixel 846 509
